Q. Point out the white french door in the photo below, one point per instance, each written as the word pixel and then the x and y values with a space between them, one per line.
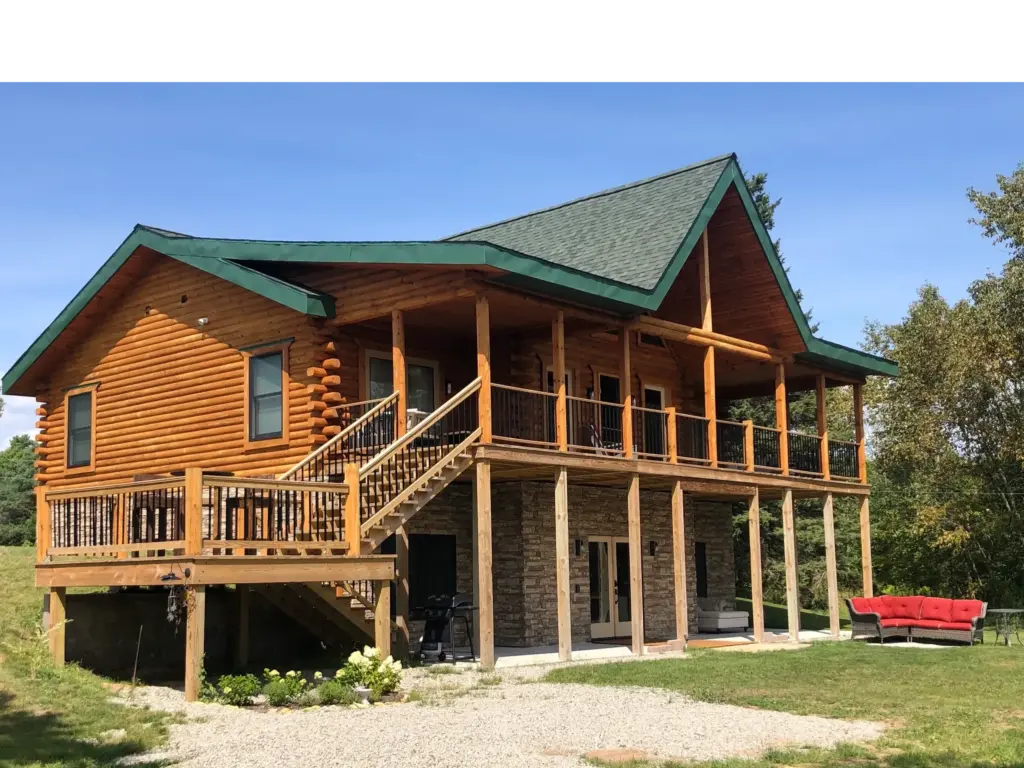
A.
pixel 609 587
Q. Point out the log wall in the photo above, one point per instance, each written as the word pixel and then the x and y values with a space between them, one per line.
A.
pixel 170 392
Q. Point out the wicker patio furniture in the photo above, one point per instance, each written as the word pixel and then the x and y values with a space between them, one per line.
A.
pixel 917 617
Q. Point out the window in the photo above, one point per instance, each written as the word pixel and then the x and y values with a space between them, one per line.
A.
pixel 700 554
pixel 420 377
pixel 80 407
pixel 266 383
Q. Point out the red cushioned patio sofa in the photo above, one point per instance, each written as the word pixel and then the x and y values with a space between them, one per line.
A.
pixel 936 618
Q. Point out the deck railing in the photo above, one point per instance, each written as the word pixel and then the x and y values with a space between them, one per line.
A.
pixel 367 428
pixel 804 454
pixel 767 452
pixel 191 514
pixel 731 440
pixel 650 433
pixel 843 459
pixel 523 416
pixel 691 438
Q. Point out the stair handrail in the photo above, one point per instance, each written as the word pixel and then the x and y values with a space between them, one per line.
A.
pixel 464 394
pixel 355 425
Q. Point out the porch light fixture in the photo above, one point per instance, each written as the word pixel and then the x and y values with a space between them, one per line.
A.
pixel 654 548
pixel 202 321
pixel 578 546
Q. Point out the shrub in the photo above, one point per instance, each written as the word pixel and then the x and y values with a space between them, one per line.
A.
pixel 237 690
pixel 335 692
pixel 381 676
pixel 282 691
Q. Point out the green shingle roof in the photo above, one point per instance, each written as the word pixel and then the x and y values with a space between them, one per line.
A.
pixel 620 250
pixel 628 234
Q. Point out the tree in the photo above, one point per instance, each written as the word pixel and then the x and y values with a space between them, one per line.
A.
pixel 948 505
pixel 17 502
pixel 1001 214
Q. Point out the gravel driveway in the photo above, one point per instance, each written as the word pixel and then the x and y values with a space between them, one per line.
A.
pixel 468 720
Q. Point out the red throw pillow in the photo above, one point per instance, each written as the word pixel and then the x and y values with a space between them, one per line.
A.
pixel 965 610
pixel 905 607
pixel 937 609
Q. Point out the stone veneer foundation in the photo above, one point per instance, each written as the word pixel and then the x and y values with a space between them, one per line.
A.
pixel 523 529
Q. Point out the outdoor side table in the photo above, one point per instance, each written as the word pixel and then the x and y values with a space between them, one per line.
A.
pixel 1007 621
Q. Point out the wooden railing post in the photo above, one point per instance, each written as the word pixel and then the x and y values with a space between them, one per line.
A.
pixel 858 426
pixel 671 434
pixel 748 445
pixel 193 511
pixel 558 366
pixel 43 529
pixel 627 397
pixel 353 523
pixel 399 380
pixel 483 365
pixel 781 420
pixel 822 425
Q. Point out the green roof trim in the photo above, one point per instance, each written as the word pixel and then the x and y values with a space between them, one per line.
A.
pixel 627 284
pixel 293 296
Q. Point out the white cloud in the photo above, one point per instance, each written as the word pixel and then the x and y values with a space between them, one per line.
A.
pixel 18 418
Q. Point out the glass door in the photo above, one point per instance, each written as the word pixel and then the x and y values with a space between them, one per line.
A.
pixel 609 587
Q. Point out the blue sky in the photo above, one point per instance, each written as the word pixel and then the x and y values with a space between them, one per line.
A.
pixel 872 176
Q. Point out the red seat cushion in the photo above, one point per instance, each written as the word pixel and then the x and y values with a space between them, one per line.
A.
pixel 937 609
pixel 931 624
pixel 880 605
pixel 964 625
pixel 927 624
pixel 904 607
pixel 965 610
pixel 862 605
pixel 888 623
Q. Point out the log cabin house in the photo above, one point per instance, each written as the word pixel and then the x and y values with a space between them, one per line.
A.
pixel 533 412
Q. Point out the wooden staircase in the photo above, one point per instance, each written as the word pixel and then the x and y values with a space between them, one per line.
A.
pixel 339 621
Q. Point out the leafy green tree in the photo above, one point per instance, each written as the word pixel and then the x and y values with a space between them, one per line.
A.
pixel 1001 214
pixel 17 504
pixel 948 502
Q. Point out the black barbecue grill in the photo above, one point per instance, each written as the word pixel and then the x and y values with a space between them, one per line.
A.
pixel 441 613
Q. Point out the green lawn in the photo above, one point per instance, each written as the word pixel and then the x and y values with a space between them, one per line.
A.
pixel 948 708
pixel 775 616
pixel 53 716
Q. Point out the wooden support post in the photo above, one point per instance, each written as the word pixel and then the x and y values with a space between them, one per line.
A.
pixel 476 562
pixel 822 425
pixel 193 511
pixel 679 561
pixel 562 564
pixel 748 445
pixel 830 566
pixel 704 281
pixel 402 592
pixel 558 369
pixel 756 592
pixel 865 547
pixel 782 417
pixel 858 431
pixel 485 599
pixel 626 379
pixel 399 379
pixel 58 624
pixel 710 406
pixel 353 522
pixel 195 635
pixel 672 434
pixel 636 578
pixel 242 650
pixel 483 365
pixel 789 547
pixel 43 529
pixel 382 618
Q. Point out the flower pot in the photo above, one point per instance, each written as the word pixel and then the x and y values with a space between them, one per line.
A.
pixel 364 692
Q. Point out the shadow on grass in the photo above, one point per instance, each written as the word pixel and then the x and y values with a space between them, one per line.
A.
pixel 33 738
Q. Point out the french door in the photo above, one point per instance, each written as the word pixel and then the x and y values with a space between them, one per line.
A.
pixel 609 587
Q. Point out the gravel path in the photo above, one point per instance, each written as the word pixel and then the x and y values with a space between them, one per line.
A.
pixel 462 722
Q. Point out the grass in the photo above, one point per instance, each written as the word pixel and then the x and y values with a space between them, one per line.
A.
pixel 948 708
pixel 52 716
pixel 775 616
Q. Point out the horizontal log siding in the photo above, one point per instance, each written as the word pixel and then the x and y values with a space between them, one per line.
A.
pixel 171 393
